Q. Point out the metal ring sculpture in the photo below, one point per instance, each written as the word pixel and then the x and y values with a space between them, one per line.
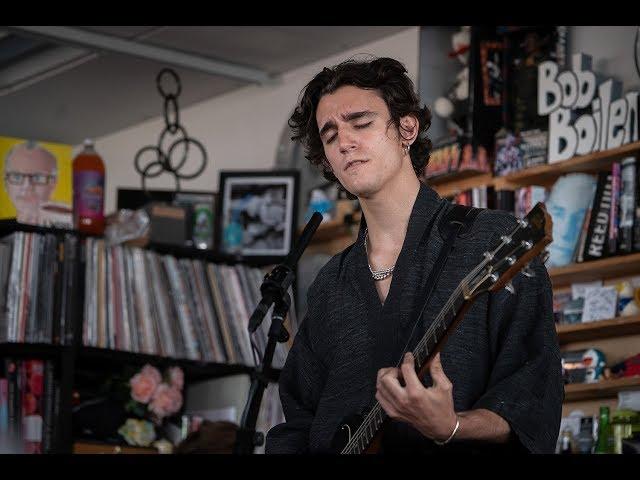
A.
pixel 164 159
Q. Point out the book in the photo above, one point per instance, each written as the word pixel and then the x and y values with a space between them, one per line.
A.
pixel 178 292
pixel 6 252
pixel 527 197
pixel 614 212
pixel 568 202
pixel 221 314
pixel 71 293
pixel 197 321
pixel 596 245
pixel 49 419
pixel 505 200
pixel 14 416
pixel 32 375
pixel 4 406
pixel 160 297
pixel 578 256
pixel 210 321
pixel 627 204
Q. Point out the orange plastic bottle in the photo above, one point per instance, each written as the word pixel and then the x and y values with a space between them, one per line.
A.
pixel 88 190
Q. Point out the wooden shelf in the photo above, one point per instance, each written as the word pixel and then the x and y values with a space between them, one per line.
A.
pixel 331 230
pixel 613 327
pixel 92 447
pixel 590 163
pixel 448 185
pixel 603 389
pixel 613 267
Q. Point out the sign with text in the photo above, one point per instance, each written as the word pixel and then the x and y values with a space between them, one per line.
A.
pixel 579 121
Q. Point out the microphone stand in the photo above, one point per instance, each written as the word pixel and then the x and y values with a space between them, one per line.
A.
pixel 274 290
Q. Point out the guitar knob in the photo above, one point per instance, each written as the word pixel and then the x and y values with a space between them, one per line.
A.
pixel 510 288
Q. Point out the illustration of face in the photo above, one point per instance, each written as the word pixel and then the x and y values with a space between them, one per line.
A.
pixel 567 211
pixel 30 178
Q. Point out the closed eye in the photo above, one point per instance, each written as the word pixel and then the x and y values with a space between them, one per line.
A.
pixel 362 125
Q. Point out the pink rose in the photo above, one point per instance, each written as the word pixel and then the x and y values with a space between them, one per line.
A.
pixel 176 377
pixel 166 401
pixel 144 384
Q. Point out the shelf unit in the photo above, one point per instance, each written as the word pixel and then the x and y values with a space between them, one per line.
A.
pixel 67 357
pixel 603 389
pixel 606 268
pixel 618 266
pixel 614 327
pixel 538 175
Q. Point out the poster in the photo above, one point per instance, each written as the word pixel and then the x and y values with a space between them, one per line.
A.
pixel 36 185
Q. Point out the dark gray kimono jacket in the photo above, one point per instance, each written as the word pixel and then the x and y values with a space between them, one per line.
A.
pixel 504 355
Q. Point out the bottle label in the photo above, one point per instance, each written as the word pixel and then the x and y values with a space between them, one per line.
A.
pixel 88 194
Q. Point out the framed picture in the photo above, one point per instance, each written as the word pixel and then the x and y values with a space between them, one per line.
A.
pixel 199 207
pixel 257 212
pixel 36 186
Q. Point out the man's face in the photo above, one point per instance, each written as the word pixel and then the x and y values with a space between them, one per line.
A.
pixel 362 150
pixel 29 191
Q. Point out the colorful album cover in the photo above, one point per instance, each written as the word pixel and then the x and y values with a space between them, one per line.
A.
pixel 36 185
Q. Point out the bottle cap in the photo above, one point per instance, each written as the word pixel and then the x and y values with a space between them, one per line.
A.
pixel 88 142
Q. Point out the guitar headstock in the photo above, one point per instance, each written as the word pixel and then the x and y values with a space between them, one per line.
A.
pixel 515 250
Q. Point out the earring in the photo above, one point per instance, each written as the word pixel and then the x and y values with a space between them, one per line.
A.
pixel 407 147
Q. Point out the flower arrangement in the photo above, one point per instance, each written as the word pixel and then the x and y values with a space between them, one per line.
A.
pixel 152 399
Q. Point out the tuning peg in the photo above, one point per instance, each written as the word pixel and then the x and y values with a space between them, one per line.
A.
pixel 527 272
pixel 510 288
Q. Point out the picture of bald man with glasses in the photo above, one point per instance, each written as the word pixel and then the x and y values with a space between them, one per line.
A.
pixel 30 177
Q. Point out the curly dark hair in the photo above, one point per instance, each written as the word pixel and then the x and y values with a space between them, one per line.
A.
pixel 386 75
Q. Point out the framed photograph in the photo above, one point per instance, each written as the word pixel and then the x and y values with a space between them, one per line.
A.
pixel 257 212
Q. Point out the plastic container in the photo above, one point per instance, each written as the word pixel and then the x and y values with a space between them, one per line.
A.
pixel 88 191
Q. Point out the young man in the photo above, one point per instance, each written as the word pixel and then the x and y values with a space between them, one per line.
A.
pixel 497 382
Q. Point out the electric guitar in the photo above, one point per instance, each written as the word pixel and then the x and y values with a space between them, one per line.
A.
pixel 363 434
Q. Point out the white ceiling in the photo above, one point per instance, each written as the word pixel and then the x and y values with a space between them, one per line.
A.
pixel 57 91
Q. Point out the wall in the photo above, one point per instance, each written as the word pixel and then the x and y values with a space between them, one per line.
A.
pixel 611 48
pixel 239 130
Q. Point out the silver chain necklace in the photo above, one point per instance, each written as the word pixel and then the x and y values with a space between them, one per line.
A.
pixel 376 274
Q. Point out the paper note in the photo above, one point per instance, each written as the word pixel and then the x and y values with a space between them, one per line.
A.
pixel 577 289
pixel 599 303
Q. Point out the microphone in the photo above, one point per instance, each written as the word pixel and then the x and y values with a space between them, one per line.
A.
pixel 278 281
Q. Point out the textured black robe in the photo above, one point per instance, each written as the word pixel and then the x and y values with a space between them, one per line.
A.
pixel 504 355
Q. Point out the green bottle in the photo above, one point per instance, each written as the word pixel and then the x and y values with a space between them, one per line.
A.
pixel 604 431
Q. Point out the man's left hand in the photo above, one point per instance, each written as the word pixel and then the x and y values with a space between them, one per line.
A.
pixel 429 410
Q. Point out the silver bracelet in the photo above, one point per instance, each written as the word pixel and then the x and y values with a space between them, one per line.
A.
pixel 450 436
